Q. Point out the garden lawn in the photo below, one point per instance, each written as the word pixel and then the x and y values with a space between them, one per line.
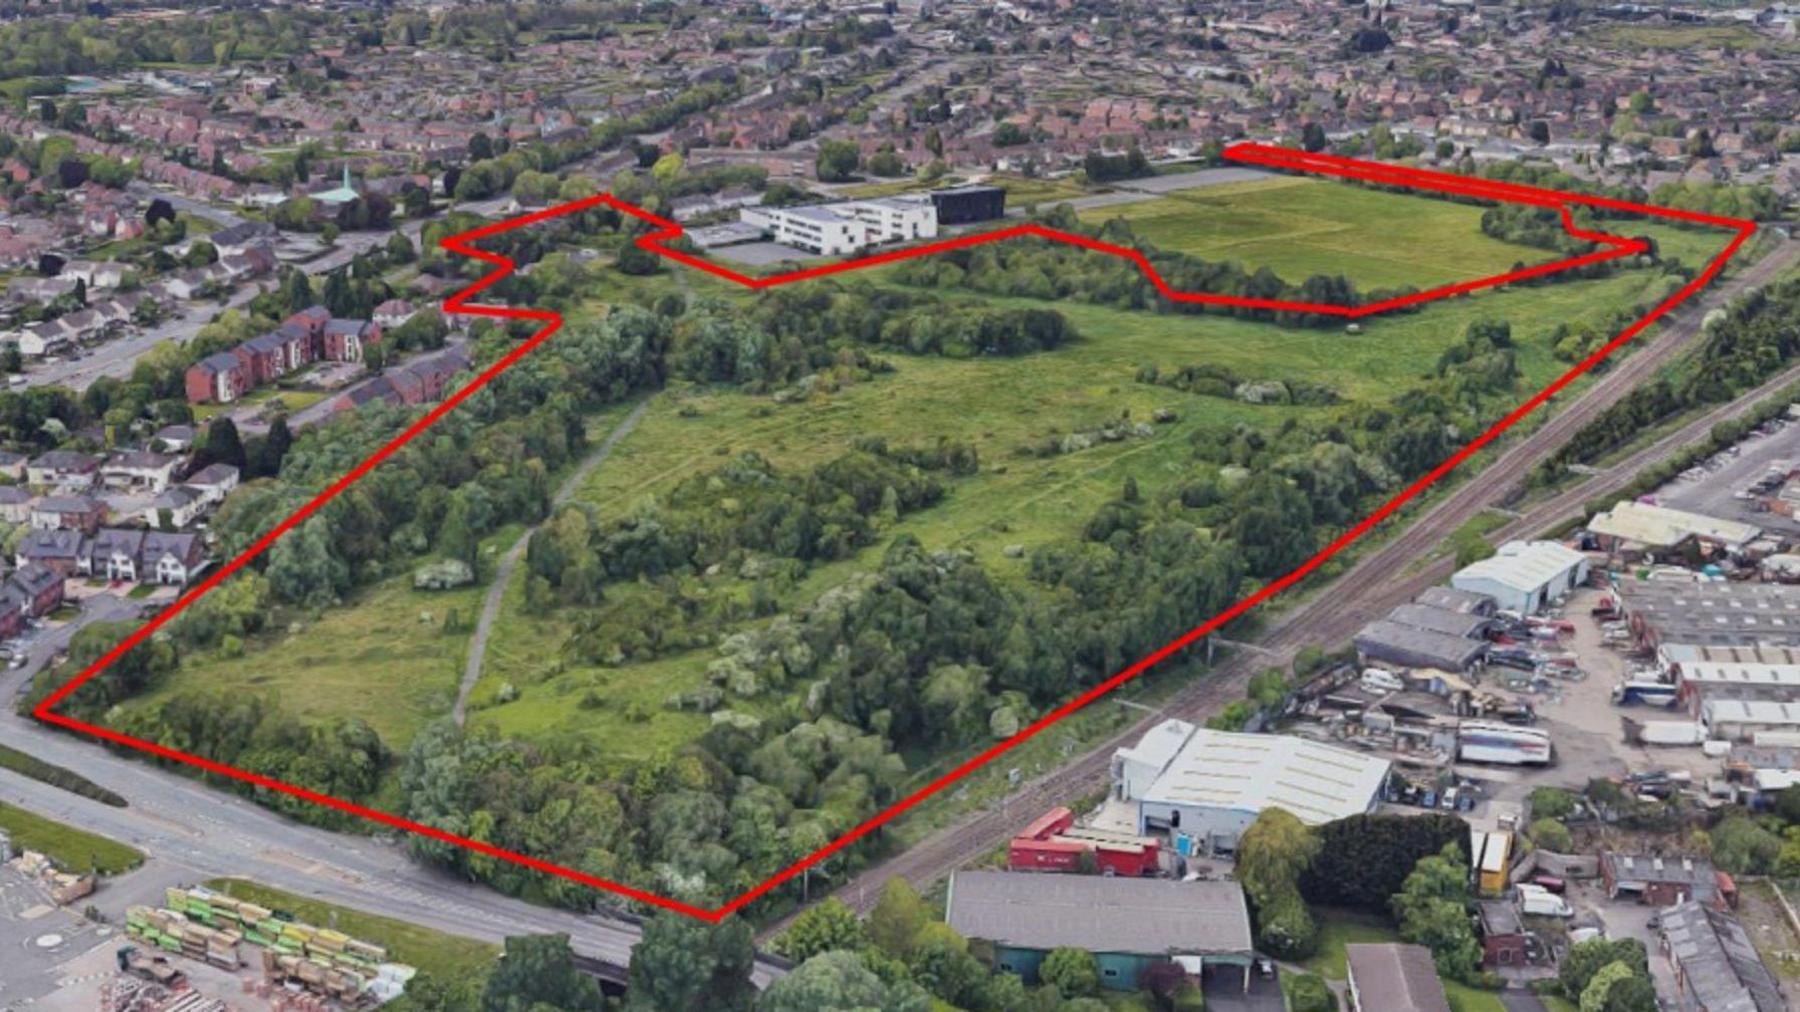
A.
pixel 73 849
pixel 1338 928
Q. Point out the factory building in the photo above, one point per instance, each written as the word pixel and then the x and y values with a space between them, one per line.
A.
pixel 1128 924
pixel 1711 613
pixel 841 229
pixel 1747 720
pixel 1746 673
pixel 1214 784
pixel 1633 529
pixel 1716 962
pixel 1525 577
pixel 1442 628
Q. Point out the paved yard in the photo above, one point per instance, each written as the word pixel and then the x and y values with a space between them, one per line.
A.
pixel 1225 993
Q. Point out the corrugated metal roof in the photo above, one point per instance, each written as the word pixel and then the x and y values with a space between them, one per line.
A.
pixel 1750 711
pixel 1100 913
pixel 1250 772
pixel 1720 964
pixel 1660 527
pixel 1523 565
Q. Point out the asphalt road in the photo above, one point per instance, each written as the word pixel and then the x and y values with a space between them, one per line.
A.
pixel 194 832
pixel 1387 575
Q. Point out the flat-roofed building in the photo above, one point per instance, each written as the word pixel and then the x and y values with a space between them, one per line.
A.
pixel 843 228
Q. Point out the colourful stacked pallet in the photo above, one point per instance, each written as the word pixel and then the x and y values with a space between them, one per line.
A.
pixel 322 959
pixel 176 931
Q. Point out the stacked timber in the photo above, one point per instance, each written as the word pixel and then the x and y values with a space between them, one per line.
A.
pixel 172 931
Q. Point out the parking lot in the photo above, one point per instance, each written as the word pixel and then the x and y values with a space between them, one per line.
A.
pixel 1717 486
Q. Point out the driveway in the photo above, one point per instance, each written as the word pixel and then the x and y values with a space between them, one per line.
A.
pixel 1225 993
pixel 1522 1001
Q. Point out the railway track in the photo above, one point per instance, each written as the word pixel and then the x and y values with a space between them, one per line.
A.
pixel 1384 577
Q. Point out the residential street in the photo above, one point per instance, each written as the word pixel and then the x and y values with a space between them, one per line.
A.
pixel 117 358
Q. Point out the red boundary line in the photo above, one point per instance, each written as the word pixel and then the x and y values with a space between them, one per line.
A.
pixel 1258 154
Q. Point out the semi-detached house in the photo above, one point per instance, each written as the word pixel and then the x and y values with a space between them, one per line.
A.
pixel 116 553
pixel 32 592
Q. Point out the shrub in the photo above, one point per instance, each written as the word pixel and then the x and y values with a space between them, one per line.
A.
pixel 1551 835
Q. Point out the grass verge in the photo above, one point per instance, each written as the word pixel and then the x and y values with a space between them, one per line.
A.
pixel 56 776
pixel 75 850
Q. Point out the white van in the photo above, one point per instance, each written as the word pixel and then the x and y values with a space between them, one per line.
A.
pixel 1378 680
pixel 1541 902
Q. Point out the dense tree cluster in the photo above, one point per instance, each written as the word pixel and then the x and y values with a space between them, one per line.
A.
pixel 58 46
pixel 1273 855
pixel 741 509
pixel 1432 908
pixel 1608 975
pixel 1758 334
pixel 1365 859
pixel 1531 225
pixel 1757 202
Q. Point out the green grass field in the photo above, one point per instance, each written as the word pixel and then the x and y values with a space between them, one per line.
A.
pixel 73 849
pixel 375 657
pixel 1647 36
pixel 446 957
pixel 1300 227
pixel 999 404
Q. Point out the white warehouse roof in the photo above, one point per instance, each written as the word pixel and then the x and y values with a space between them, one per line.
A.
pixel 1160 744
pixel 1523 565
pixel 1250 772
pixel 1761 675
pixel 1750 711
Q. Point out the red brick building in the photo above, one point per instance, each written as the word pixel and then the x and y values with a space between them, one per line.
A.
pixel 303 338
pixel 1665 881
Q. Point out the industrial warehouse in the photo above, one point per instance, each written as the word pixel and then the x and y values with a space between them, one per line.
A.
pixel 1203 787
pixel 1128 924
